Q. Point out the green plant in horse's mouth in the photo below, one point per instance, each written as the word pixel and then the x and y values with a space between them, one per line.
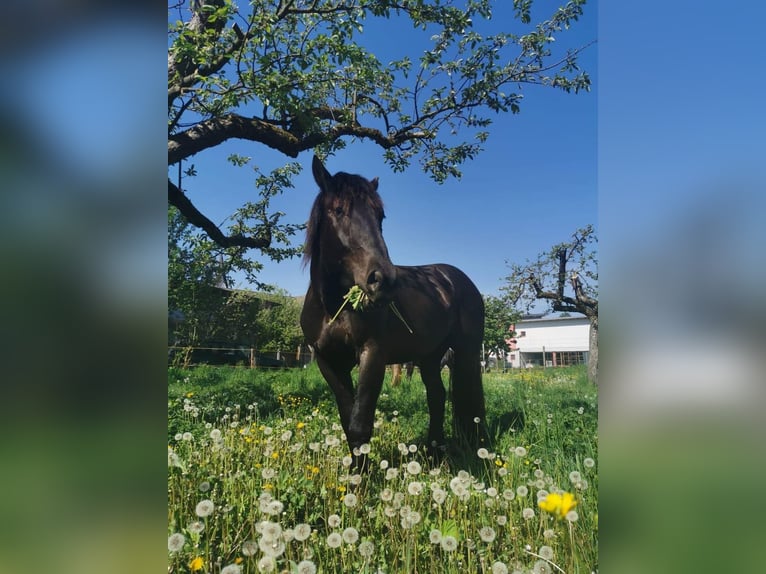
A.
pixel 358 299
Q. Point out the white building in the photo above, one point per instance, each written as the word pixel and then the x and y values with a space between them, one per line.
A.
pixel 549 341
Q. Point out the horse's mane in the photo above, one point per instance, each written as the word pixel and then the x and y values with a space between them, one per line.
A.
pixel 348 189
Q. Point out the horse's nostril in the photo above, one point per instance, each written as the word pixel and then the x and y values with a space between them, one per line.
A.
pixel 375 279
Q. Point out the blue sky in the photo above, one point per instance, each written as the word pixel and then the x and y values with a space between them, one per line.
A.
pixel 532 187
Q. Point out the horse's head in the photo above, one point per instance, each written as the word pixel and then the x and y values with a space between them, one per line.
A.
pixel 344 239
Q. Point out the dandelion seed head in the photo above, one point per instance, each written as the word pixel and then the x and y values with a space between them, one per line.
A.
pixel 392 473
pixel 527 514
pixel 350 535
pixel 413 467
pixel 306 567
pixel 435 536
pixel 449 543
pixel 499 568
pixel 176 542
pixel 415 488
pixel 231 569
pixel 350 500
pixel 574 476
pixel 546 552
pixel 365 448
pixel 334 540
pixel 541 567
pixel 487 534
pixel 196 527
pixel 266 564
pixel 366 549
pixel 572 516
pixel 383 464
pixel 589 462
pixel 549 533
pixel 204 486
pixel 271 530
pixel 333 521
pixel 522 491
pixel 249 548
pixel 520 451
pixel 346 461
pixel 439 496
pixel 301 532
pixel 476 420
pixel 492 492
pixel 187 436
pixel 501 520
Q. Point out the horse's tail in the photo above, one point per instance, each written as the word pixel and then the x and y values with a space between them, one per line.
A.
pixel 468 410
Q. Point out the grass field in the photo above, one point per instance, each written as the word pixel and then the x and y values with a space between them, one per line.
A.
pixel 259 479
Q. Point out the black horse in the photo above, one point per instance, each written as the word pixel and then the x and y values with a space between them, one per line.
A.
pixel 410 314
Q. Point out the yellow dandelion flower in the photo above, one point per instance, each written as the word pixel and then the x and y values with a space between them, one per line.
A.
pixel 268 487
pixel 315 470
pixel 196 564
pixel 341 488
pixel 558 504
pixel 190 394
pixel 300 425
pixel 275 455
pixel 239 560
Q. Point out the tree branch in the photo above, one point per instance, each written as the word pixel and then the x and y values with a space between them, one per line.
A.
pixel 212 132
pixel 177 198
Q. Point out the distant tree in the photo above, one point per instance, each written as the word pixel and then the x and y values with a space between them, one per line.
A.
pixel 566 276
pixel 295 75
pixel 499 316
pixel 278 325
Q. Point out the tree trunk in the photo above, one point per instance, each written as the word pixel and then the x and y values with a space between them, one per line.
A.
pixel 593 351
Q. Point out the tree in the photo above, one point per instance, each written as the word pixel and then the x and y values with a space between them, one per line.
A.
pixel 294 75
pixel 566 276
pixel 499 315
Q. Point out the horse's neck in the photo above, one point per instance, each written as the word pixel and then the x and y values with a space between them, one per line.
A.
pixel 327 286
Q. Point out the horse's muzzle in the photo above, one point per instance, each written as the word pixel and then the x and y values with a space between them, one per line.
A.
pixel 380 282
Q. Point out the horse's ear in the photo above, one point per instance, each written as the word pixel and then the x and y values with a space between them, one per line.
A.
pixel 374 184
pixel 321 175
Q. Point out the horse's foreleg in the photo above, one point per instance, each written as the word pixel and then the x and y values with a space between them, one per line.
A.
pixel 372 368
pixel 342 387
pixel 436 396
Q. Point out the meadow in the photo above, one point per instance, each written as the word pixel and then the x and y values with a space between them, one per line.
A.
pixel 259 478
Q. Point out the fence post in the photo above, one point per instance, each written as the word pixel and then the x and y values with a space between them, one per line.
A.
pixel 252 358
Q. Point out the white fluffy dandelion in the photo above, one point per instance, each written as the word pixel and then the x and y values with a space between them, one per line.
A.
pixel 232 569
pixel 575 476
pixel 487 534
pixel 306 567
pixel 249 548
pixel 413 467
pixel 205 508
pixel 333 521
pixel 572 516
pixel 522 491
pixel 435 536
pixel 499 568
pixel 415 488
pixel 483 453
pixel 546 552
pixel 449 543
pixel 302 532
pixel 520 451
pixel 334 540
pixel 176 542
pixel 350 535
pixel 589 462
pixel 366 549
pixel 266 564
pixel 527 514
pixel 350 500
pixel 196 527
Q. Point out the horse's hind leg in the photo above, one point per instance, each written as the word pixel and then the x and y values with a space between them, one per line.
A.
pixel 436 396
